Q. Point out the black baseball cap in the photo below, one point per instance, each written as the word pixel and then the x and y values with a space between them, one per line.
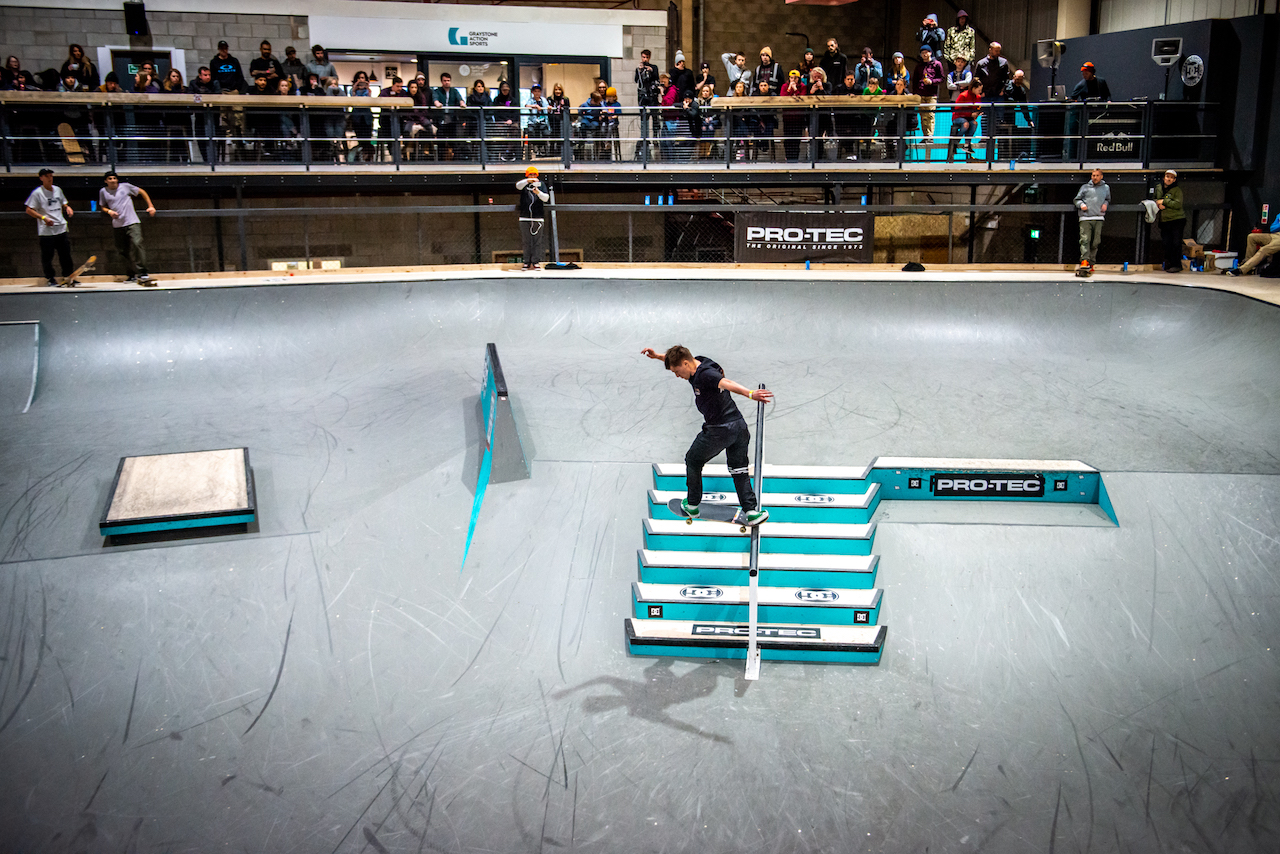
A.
pixel 44 172
pixel 223 44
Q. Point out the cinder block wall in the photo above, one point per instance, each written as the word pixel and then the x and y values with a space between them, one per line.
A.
pixel 39 37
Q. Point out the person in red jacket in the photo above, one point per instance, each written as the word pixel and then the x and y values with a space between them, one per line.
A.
pixel 964 119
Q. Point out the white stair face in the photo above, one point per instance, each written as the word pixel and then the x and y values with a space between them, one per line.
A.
pixel 852 501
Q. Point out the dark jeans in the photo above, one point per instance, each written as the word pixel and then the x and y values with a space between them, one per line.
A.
pixel 60 243
pixel 129 244
pixel 731 438
pixel 1171 237
pixel 533 240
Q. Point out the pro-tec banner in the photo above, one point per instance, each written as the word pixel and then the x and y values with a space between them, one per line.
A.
pixel 804 236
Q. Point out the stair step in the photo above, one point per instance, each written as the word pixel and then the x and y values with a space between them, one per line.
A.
pixel 704 602
pixel 717 639
pixel 843 508
pixel 729 569
pixel 825 538
pixel 822 480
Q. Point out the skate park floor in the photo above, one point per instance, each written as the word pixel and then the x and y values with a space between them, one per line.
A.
pixel 335 680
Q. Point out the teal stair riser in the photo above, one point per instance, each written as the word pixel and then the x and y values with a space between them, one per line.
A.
pixel 824 657
pixel 768 577
pixel 715 612
pixel 814 486
pixel 797 513
pixel 768 545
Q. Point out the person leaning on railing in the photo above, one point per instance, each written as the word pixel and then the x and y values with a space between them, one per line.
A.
pixel 13 77
pixel 361 120
pixel 558 112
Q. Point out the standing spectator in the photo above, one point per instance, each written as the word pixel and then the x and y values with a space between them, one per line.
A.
pixel 16 77
pixel 929 75
pixel 286 125
pixel 993 72
pixel 395 90
pixel 319 63
pixel 446 101
pixel 1259 246
pixel 311 86
pixel 81 68
pixel 590 124
pixel 805 66
pixel 558 110
pixel 850 124
pixel 294 67
pixel 265 66
pixel 1018 92
pixel 735 69
pixel 704 78
pixel 708 121
pixel 769 71
pixel 1172 220
pixel 647 96
pixel 506 121
pixel 898 71
pixel 961 41
pixel 416 123
pixel 890 120
pixel 477 99
pixel 931 34
pixel 48 205
pixel 227 72
pixel 361 120
pixel 532 218
pixel 682 76
pixel 671 115
pixel 1092 201
pixel 958 81
pixel 834 63
pixel 867 68
pixel 116 201
pixel 793 121
pixel 740 120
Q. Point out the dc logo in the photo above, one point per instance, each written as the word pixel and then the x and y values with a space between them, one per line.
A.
pixel 814 499
pixel 914 483
pixel 1059 486
pixel 701 592
pixel 655 611
pixel 863 617
pixel 813 594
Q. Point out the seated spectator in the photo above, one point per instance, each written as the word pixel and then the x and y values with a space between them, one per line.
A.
pixel 735 66
pixel 873 87
pixel 15 77
pixel 850 123
pixel 70 83
pixel 320 64
pixel 294 67
pixel 960 79
pixel 818 84
pixel 794 122
pixel 867 68
pixel 964 119
pixel 265 65
pixel 173 84
pixel 227 72
pixel 145 82
pixel 81 68
pixel 261 87
pixel 612 123
pixel 284 87
pixel 537 113
pixel 395 90
pixel 766 122
pixel 890 127
pixel 111 85
pixel 204 84
pixel 1018 92
pixel 287 128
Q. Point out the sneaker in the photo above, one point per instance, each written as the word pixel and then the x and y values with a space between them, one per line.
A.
pixel 131 280
pixel 1233 271
pixel 755 517
pixel 690 510
pixel 52 283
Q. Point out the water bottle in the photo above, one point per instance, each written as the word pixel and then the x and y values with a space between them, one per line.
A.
pixel 1126 267
pixel 806 263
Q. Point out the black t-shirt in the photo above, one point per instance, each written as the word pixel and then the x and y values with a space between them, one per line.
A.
pixel 715 404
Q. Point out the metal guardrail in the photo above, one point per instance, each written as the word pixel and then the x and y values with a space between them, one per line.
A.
pixel 245 132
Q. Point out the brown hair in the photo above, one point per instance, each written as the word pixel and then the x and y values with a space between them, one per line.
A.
pixel 675 355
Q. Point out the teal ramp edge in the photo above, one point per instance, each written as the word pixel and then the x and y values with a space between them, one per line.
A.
pixel 489 407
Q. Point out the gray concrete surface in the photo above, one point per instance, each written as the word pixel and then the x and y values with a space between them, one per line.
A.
pixel 332 682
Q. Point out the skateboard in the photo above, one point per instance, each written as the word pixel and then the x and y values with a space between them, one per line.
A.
pixel 65 281
pixel 1085 270
pixel 70 145
pixel 712 513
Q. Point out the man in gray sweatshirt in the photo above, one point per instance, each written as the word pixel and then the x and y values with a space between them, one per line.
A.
pixel 1092 201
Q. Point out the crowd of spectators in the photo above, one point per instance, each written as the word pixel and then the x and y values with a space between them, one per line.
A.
pixel 686 113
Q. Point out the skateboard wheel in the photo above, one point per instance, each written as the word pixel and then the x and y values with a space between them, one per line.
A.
pixel 743 529
pixel 688 521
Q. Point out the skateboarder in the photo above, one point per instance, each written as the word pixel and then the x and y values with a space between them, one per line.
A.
pixel 49 206
pixel 1092 201
pixel 116 201
pixel 723 429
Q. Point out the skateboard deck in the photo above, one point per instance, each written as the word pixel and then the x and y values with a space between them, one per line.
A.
pixel 66 281
pixel 712 513
pixel 70 145
pixel 1084 271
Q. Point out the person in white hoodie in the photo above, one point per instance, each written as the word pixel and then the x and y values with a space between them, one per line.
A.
pixel 532 220
pixel 735 67
pixel 1092 201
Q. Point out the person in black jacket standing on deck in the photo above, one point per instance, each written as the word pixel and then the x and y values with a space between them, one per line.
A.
pixel 532 221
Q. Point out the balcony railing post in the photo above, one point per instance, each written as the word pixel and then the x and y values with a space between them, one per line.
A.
pixel 5 142
pixel 111 136
pixel 646 119
pixel 566 139
pixel 395 135
pixel 902 135
pixel 304 128
pixel 484 148
pixel 728 137
pixel 1148 124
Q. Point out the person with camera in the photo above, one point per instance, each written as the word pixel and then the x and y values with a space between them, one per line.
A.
pixel 648 96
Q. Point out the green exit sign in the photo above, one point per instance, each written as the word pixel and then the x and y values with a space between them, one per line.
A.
pixel 1035 234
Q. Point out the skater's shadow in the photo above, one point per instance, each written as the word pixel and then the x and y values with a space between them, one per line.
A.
pixel 661 689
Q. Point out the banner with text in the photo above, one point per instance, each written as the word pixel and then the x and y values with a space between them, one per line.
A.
pixel 791 236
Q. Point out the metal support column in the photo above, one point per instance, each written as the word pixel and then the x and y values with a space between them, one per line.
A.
pixel 555 230
pixel 1062 237
pixel 244 240
pixel 973 218
pixel 753 568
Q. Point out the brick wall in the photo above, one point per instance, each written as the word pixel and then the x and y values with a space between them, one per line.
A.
pixel 39 37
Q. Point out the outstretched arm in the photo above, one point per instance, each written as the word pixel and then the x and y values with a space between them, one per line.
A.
pixel 753 394
pixel 652 354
